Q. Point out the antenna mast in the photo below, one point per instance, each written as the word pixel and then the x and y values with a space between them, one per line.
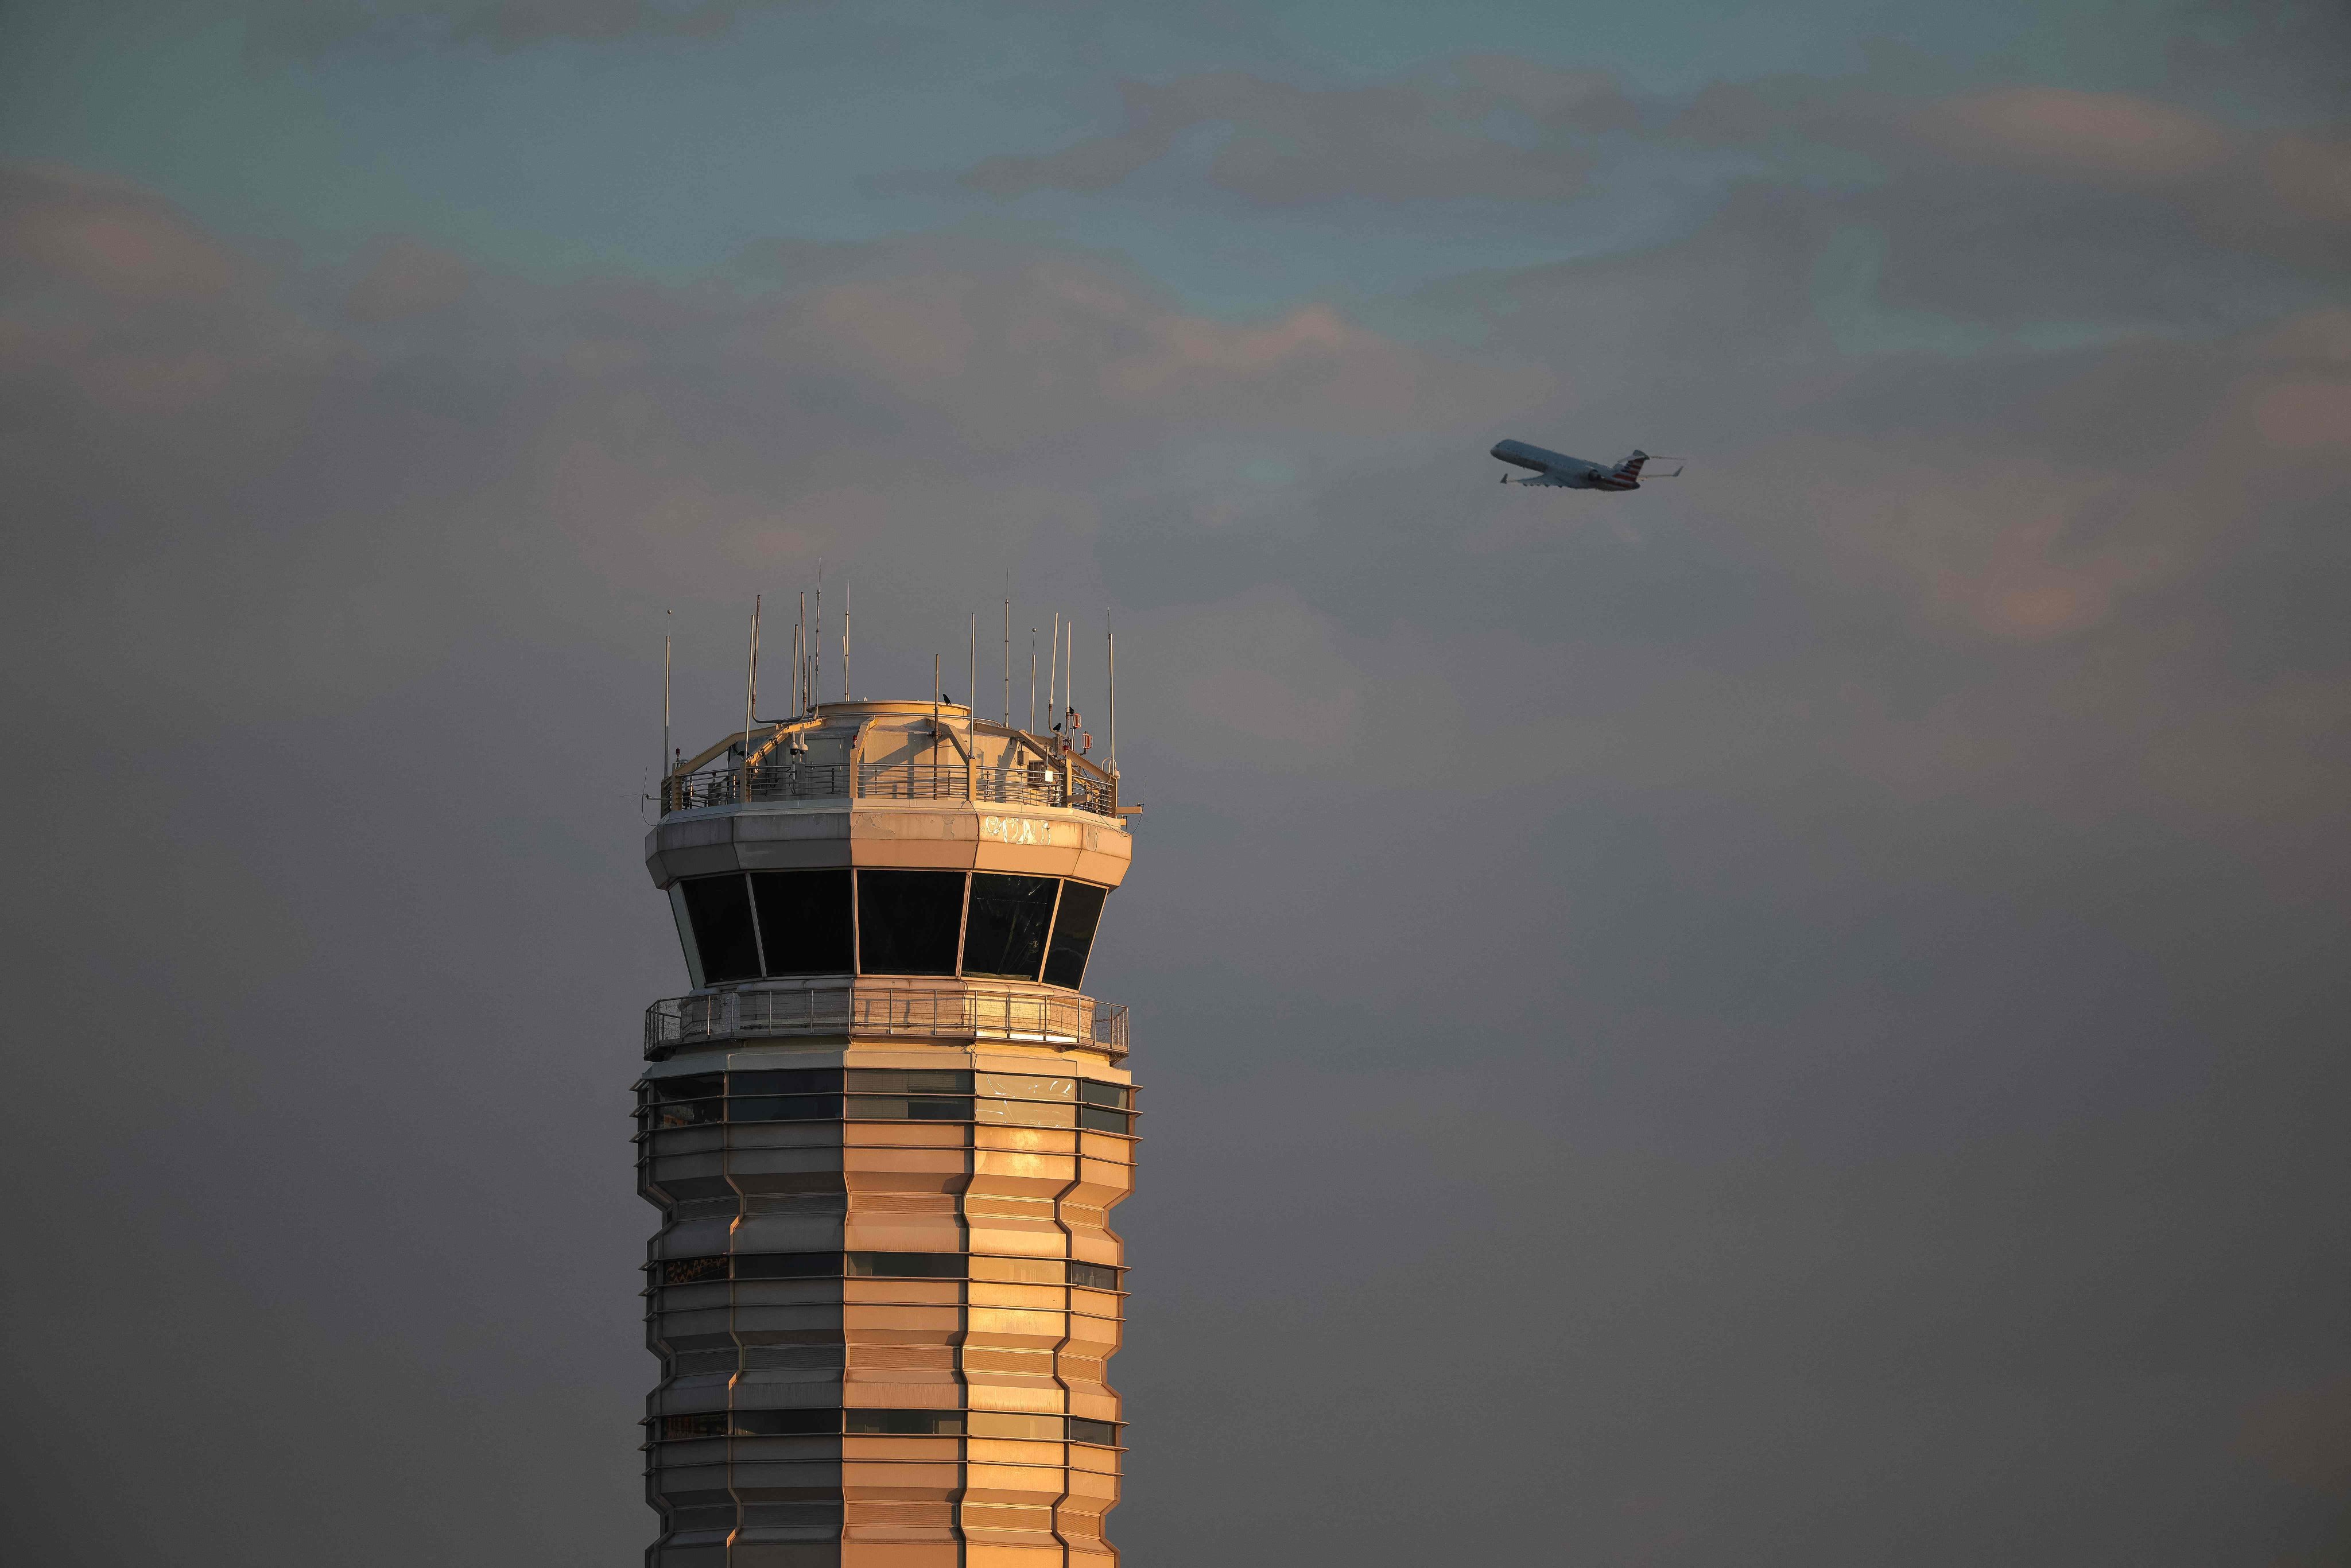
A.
pixel 974 664
pixel 845 613
pixel 1113 698
pixel 664 705
pixel 1008 666
pixel 816 651
pixel 1052 679
pixel 750 684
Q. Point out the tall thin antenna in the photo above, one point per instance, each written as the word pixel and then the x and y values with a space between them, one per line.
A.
pixel 1114 696
pixel 799 658
pixel 974 664
pixel 1033 680
pixel 665 620
pixel 1053 676
pixel 816 652
pixel 754 653
pixel 846 612
pixel 1069 673
pixel 1008 666
pixel 750 682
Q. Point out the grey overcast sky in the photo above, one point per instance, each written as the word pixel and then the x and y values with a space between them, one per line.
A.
pixel 1795 1017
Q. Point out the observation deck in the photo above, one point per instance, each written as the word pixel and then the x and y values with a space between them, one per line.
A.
pixel 895 871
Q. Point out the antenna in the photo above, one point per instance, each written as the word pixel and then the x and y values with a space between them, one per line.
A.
pixel 750 682
pixel 666 617
pixel 754 653
pixel 1007 665
pixel 847 610
pixel 816 652
pixel 1053 676
pixel 974 664
pixel 1114 696
pixel 1033 680
pixel 799 658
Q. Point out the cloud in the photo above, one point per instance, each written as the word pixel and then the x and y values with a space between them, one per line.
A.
pixel 1426 139
pixel 80 231
pixel 407 279
pixel 310 28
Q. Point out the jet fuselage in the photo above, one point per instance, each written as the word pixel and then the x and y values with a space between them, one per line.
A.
pixel 1570 473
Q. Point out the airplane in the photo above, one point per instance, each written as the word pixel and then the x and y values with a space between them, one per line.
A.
pixel 1573 472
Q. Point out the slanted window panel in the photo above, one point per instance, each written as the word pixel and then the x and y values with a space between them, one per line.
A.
pixel 1094 1092
pixel 906 1265
pixel 803 921
pixel 907 921
pixel 720 907
pixel 1093 1276
pixel 921 1423
pixel 1005 938
pixel 1084 1431
pixel 1073 933
pixel 1095 1119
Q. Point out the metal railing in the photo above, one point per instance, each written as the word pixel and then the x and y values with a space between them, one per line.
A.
pixel 959 1011
pixel 1035 784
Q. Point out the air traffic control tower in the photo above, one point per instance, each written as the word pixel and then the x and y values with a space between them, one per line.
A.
pixel 885 1130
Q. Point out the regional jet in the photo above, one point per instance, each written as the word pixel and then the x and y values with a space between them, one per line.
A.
pixel 1573 472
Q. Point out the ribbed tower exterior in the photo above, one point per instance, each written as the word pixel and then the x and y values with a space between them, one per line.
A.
pixel 885 1130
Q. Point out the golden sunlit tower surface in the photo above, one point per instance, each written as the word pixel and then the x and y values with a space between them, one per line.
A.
pixel 885 1131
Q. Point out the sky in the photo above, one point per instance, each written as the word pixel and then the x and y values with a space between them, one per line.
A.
pixel 1793 1017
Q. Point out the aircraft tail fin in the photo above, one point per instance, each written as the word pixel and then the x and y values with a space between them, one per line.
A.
pixel 1631 466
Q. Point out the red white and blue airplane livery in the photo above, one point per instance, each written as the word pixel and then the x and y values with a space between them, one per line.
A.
pixel 1573 472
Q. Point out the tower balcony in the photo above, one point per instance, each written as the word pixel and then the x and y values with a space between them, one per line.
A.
pixel 958 1012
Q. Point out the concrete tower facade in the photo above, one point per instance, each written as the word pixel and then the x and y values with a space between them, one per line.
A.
pixel 885 1130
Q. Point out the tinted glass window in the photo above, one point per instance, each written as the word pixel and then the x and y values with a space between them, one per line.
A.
pixel 1093 1276
pixel 1005 936
pixel 784 1108
pixel 803 920
pixel 690 1086
pixel 1095 1093
pixel 1096 1119
pixel 783 1423
pixel 927 1423
pixel 1084 1431
pixel 906 1265
pixel 787 1265
pixel 907 1108
pixel 906 921
pixel 720 908
pixel 1073 933
pixel 691 1271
